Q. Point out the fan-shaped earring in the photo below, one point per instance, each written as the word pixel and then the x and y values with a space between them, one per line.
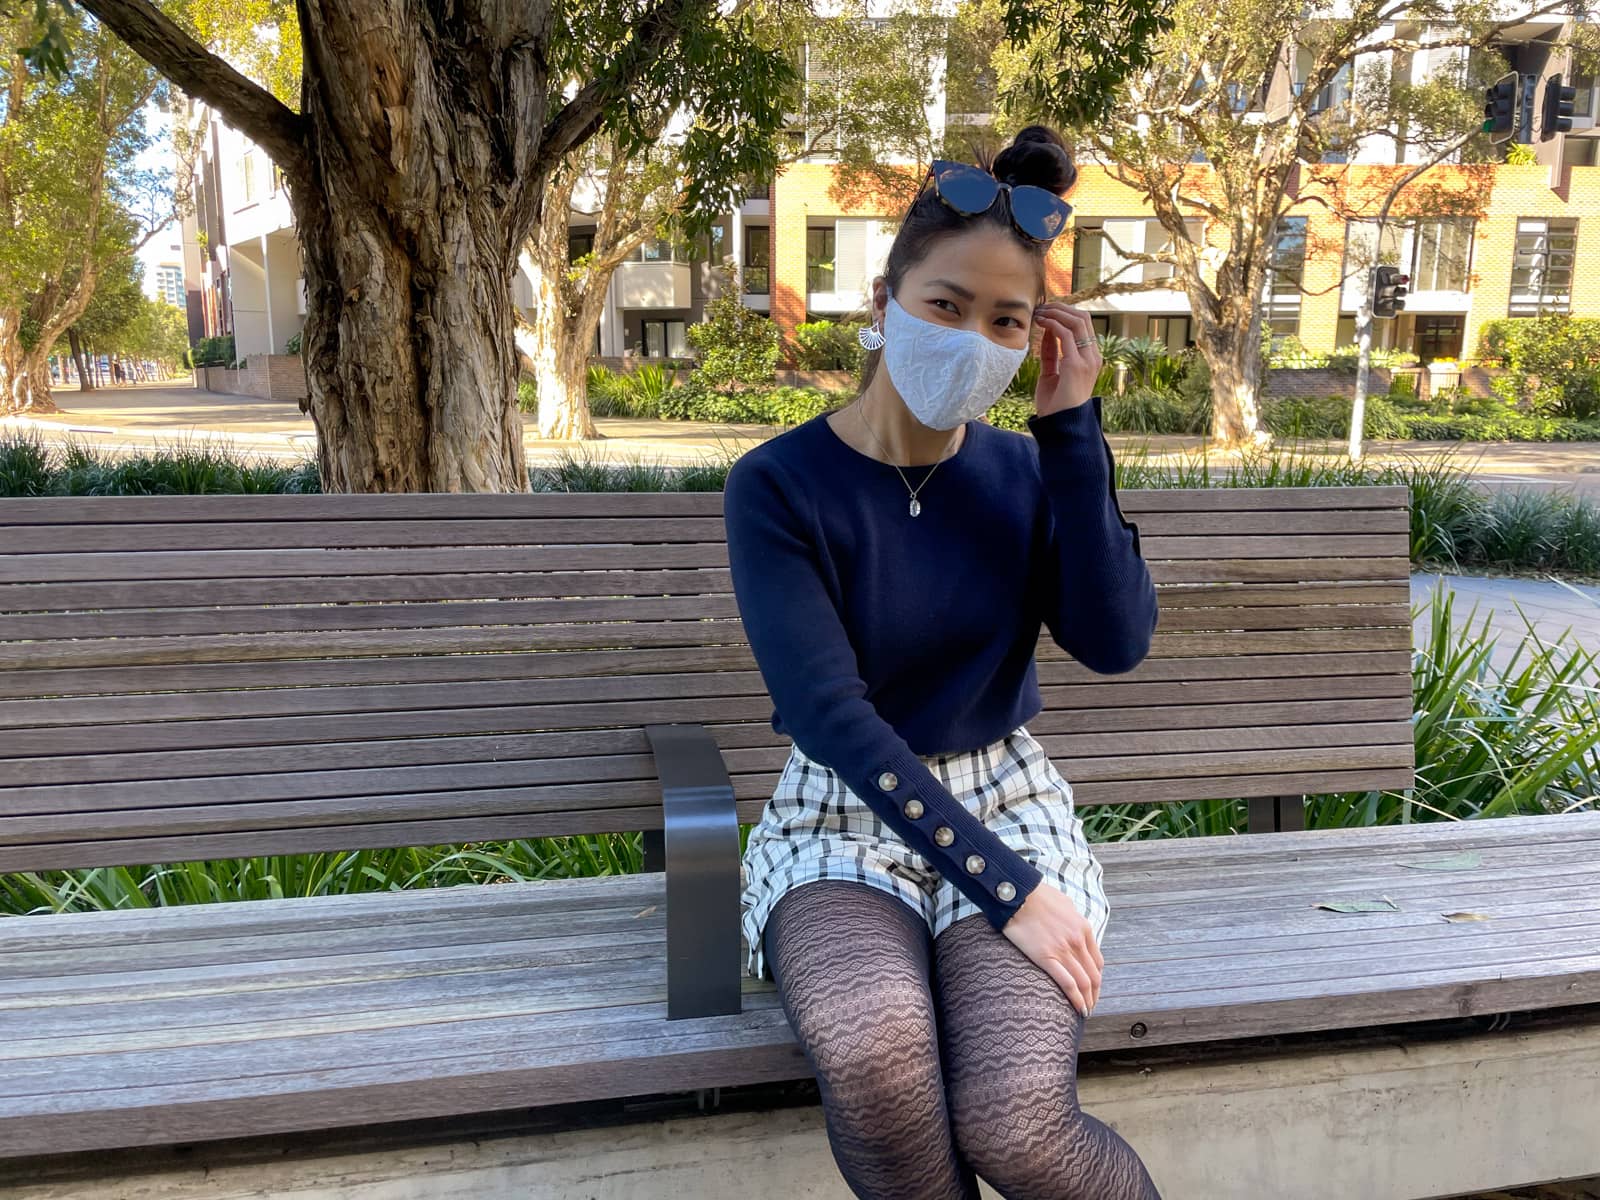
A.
pixel 872 338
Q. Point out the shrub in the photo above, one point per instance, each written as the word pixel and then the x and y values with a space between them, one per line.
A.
pixel 1025 383
pixel 213 352
pixel 1329 417
pixel 292 346
pixel 828 346
pixel 527 395
pixel 1149 410
pixel 739 347
pixel 1552 364
pixel 1505 427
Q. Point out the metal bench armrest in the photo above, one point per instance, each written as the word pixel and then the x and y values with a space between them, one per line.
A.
pixel 699 850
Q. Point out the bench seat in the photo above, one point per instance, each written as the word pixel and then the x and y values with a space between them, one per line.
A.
pixel 131 1028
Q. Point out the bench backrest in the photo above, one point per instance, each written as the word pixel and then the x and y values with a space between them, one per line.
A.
pixel 210 677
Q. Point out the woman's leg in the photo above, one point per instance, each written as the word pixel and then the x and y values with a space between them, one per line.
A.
pixel 852 967
pixel 1011 1058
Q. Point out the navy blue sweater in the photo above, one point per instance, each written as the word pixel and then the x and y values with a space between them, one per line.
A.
pixel 883 637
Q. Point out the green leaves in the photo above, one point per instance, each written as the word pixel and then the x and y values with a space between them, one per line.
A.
pixel 1079 55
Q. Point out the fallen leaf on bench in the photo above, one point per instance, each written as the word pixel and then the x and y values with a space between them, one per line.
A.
pixel 1352 906
pixel 644 912
pixel 1465 916
pixel 1456 862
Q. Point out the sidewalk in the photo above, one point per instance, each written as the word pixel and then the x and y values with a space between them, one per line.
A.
pixel 147 415
pixel 1557 613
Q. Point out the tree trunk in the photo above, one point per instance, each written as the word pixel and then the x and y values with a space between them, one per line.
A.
pixel 84 382
pixel 408 347
pixel 24 374
pixel 1234 357
pixel 560 366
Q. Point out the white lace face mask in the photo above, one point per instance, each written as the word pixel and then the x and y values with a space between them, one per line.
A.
pixel 946 376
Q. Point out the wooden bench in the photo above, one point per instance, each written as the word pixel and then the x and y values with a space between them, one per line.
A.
pixel 208 678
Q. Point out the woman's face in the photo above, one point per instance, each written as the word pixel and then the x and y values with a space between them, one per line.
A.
pixel 981 279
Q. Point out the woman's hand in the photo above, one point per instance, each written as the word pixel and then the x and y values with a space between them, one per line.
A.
pixel 1067 371
pixel 1050 930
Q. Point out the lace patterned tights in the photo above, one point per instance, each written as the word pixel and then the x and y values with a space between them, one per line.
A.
pixel 928 1076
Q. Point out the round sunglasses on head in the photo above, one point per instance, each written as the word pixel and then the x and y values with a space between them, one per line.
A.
pixel 1037 213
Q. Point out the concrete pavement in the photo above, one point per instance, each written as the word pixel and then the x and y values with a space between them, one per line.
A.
pixel 1560 614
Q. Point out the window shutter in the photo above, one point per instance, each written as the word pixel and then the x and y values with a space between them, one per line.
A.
pixel 850 255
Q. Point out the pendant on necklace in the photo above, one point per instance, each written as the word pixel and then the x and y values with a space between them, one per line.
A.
pixel 916 506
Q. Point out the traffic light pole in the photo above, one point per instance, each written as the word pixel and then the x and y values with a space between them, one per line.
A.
pixel 1358 405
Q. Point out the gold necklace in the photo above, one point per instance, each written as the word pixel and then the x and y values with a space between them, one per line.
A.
pixel 916 505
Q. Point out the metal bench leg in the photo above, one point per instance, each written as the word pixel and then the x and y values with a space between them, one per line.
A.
pixel 699 850
pixel 1276 814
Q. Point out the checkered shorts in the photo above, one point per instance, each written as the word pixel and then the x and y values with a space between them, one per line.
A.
pixel 815 827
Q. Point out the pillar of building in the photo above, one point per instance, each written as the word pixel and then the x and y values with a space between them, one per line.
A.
pixel 247 293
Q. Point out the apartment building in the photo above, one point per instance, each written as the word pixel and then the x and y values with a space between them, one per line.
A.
pixel 1532 246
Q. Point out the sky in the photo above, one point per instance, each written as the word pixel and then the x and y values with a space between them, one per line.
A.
pixel 165 246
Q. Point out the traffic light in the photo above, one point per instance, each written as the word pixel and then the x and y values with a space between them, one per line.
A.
pixel 1389 288
pixel 1500 108
pixel 1558 105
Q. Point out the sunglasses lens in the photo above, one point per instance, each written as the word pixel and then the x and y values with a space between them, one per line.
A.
pixel 1040 213
pixel 965 188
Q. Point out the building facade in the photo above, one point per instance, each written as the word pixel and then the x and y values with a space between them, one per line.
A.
pixel 1530 244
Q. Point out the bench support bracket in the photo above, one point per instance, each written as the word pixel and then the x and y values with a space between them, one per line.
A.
pixel 699 851
pixel 1277 814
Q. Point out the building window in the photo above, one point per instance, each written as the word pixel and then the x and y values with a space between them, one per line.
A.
pixel 665 339
pixel 579 244
pixel 716 244
pixel 655 250
pixel 1284 274
pixel 169 283
pixel 1288 257
pixel 1541 271
pixel 1439 337
pixel 757 260
pixel 1088 257
pixel 821 248
pixel 247 176
pixel 1578 151
pixel 1443 254
pixel 1583 102
pixel 1176 332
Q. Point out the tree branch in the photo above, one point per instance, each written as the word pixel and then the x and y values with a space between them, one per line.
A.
pixel 251 109
pixel 580 118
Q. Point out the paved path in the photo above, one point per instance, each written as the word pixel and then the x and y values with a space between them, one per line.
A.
pixel 147 415
pixel 1559 613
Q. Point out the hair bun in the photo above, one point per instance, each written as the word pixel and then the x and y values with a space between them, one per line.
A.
pixel 1037 156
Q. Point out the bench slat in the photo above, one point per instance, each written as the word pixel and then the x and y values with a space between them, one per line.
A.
pixel 192 621
pixel 580 703
pixel 78 510
pixel 635 767
pixel 1263 781
pixel 520 638
pixel 128 537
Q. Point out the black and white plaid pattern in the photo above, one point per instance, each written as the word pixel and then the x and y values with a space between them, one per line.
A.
pixel 815 827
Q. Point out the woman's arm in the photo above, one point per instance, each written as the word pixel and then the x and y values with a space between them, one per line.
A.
pixel 813 677
pixel 1096 595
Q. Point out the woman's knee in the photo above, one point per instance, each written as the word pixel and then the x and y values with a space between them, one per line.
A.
pixel 873 1041
pixel 996 1120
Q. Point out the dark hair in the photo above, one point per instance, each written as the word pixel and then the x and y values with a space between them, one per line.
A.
pixel 1036 156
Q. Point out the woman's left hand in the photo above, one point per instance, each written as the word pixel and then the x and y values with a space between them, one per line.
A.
pixel 1067 370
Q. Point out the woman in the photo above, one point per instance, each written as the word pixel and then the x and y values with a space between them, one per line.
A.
pixel 919 885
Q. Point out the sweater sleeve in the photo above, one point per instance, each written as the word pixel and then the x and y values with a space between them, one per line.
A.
pixel 1097 597
pixel 813 677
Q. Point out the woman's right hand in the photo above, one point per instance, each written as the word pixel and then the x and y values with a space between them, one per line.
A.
pixel 1050 930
